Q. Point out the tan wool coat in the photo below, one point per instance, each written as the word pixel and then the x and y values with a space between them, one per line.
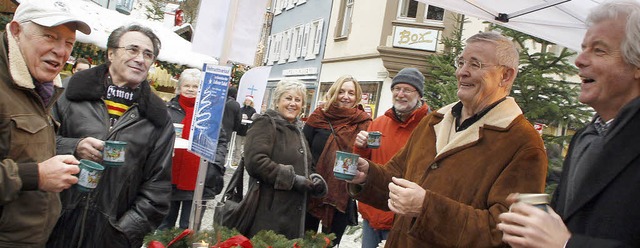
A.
pixel 467 176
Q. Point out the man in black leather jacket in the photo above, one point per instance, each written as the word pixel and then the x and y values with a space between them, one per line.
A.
pixel 114 101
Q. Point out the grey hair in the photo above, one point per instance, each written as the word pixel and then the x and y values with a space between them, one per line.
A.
pixel 188 75
pixel 628 11
pixel 114 38
pixel 506 50
pixel 287 85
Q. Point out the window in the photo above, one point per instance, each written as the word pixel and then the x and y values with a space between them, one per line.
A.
pixel 316 45
pixel 277 45
pixel 290 4
pixel 296 43
pixel 344 23
pixel 434 14
pixel 315 37
pixel 370 94
pixel 305 39
pixel 284 50
pixel 277 6
pixel 268 52
pixel 300 40
pixel 408 9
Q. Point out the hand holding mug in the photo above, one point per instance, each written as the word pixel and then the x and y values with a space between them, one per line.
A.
pixel 56 174
pixel 361 174
pixel 361 139
pixel 90 148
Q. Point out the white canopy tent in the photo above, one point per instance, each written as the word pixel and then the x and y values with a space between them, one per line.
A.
pixel 558 21
pixel 103 21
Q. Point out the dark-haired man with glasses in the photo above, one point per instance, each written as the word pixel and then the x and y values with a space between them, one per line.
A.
pixel 449 182
pixel 114 102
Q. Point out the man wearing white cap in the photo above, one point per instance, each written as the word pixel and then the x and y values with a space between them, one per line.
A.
pixel 33 51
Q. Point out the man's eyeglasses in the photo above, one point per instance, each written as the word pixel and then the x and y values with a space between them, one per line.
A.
pixel 475 65
pixel 397 90
pixel 134 50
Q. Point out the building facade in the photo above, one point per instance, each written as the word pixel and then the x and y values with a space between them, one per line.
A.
pixel 295 45
pixel 372 40
pixel 319 41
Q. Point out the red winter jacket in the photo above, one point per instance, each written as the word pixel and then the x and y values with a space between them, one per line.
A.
pixel 394 135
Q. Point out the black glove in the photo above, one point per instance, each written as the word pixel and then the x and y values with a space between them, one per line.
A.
pixel 319 187
pixel 302 184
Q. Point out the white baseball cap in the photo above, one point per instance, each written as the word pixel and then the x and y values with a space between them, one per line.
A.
pixel 48 13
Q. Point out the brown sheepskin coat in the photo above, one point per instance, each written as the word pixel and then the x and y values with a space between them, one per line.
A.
pixel 467 177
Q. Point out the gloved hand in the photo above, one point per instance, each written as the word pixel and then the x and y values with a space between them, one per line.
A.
pixel 302 184
pixel 319 187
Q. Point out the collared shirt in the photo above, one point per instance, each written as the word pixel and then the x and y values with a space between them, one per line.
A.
pixel 456 111
pixel 601 126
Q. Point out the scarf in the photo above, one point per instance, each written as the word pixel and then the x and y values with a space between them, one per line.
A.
pixel 119 99
pixel 45 90
pixel 346 122
pixel 187 104
pixel 185 164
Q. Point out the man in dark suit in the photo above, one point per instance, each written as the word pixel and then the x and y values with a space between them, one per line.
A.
pixel 597 201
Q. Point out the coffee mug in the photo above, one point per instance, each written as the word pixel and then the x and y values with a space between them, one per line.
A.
pixel 540 201
pixel 178 127
pixel 113 153
pixel 89 175
pixel 373 140
pixel 346 165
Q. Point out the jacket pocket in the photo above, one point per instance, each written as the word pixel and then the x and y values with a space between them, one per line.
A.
pixel 29 123
pixel 29 137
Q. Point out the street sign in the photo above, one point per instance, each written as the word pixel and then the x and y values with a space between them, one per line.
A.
pixel 208 111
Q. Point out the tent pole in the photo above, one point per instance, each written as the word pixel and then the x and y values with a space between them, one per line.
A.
pixel 228 31
pixel 535 8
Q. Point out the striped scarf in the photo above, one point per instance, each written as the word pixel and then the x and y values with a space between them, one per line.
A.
pixel 119 100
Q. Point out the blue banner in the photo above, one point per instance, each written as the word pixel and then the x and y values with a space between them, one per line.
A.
pixel 208 111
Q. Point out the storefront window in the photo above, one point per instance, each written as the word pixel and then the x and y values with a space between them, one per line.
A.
pixel 267 102
pixel 370 95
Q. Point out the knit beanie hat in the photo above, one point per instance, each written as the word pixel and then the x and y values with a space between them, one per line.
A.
pixel 410 76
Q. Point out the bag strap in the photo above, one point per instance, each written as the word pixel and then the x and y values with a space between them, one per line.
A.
pixel 335 137
pixel 235 187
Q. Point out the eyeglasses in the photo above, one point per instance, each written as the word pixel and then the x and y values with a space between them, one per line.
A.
pixel 475 65
pixel 397 90
pixel 134 50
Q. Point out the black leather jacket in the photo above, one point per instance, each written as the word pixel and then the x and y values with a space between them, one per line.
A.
pixel 131 200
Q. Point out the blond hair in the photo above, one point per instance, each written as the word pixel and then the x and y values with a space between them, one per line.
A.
pixel 332 95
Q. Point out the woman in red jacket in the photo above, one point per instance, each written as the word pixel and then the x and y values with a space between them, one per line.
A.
pixel 184 170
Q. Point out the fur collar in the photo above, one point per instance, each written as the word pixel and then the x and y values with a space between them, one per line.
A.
pixel 88 85
pixel 499 118
pixel 18 67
